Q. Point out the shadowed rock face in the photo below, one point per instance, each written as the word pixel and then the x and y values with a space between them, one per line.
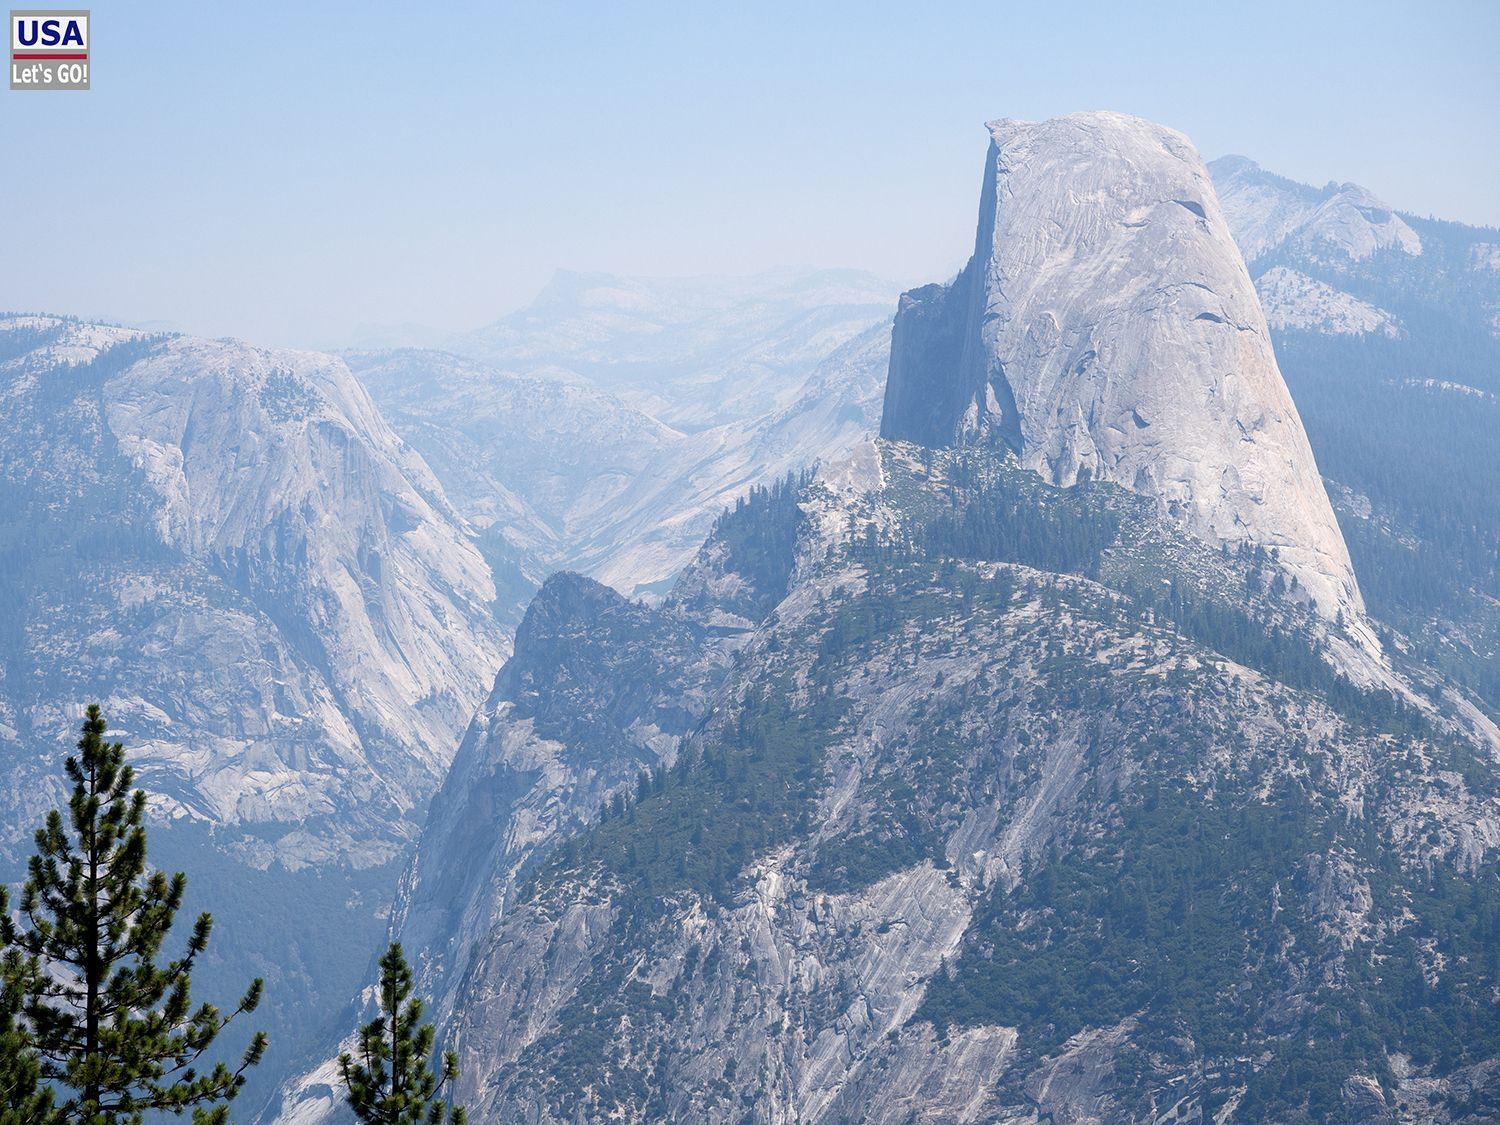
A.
pixel 1106 327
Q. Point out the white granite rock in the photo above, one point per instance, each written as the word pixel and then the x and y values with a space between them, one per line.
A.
pixel 1294 300
pixel 295 630
pixel 1107 328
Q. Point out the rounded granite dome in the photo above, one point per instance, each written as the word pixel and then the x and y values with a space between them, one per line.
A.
pixel 1106 327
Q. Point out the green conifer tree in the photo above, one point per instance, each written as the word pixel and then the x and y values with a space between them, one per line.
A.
pixel 393 1083
pixel 23 1099
pixel 111 1026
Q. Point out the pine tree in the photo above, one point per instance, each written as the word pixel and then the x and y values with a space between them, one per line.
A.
pixel 23 1099
pixel 108 1023
pixel 392 1083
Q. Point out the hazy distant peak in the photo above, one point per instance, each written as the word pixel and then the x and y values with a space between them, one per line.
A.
pixel 1340 220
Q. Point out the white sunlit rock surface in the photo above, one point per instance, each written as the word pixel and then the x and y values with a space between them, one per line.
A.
pixel 1107 328
pixel 291 627
pixel 1294 300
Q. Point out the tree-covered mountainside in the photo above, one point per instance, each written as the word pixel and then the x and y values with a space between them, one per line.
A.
pixel 1000 801
pixel 1015 803
pixel 1412 460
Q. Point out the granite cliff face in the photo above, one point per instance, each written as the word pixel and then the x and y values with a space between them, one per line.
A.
pixel 276 468
pixel 1106 328
pixel 293 624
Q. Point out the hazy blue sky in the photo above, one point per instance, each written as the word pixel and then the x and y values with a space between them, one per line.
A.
pixel 286 172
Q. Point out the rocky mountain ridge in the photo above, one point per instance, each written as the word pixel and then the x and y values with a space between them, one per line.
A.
pixel 694 352
pixel 779 919
pixel 1267 212
pixel 599 689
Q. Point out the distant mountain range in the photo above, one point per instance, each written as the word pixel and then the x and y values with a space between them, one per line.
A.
pixel 605 425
